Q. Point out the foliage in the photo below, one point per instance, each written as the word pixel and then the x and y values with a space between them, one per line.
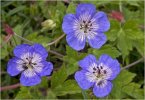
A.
pixel 41 22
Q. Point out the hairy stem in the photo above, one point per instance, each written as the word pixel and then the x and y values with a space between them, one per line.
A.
pixel 132 64
pixel 56 53
pixel 23 38
pixel 55 41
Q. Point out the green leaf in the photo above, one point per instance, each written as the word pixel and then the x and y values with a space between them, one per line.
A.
pixel 18 30
pixel 35 37
pixel 124 44
pixel 139 45
pixel 51 95
pixel 58 77
pixel 24 93
pixel 133 89
pixel 4 50
pixel 72 57
pixel 132 31
pixel 68 87
pixel 71 8
pixel 123 79
pixel 16 10
pixel 113 31
pixel 106 49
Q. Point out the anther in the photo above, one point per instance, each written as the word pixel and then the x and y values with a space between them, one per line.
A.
pixel 94 68
pixel 105 71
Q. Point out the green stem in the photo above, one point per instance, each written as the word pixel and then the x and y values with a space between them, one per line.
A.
pixel 23 38
pixel 132 64
pixel 120 5
pixel 55 41
pixel 15 41
pixel 84 94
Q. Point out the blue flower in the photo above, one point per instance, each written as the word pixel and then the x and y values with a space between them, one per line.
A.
pixel 31 62
pixel 97 74
pixel 86 25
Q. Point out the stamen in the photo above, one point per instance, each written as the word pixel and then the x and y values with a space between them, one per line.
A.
pixel 99 83
pixel 94 68
pixel 25 67
pixel 105 71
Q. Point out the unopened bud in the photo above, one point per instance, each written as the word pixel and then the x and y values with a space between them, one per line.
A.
pixel 48 24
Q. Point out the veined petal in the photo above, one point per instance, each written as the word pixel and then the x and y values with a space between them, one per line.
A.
pixel 87 62
pixel 98 40
pixel 113 64
pixel 75 42
pixel 86 8
pixel 68 23
pixel 102 91
pixel 102 21
pixel 46 69
pixel 20 49
pixel 41 50
pixel 29 81
pixel 83 82
pixel 14 67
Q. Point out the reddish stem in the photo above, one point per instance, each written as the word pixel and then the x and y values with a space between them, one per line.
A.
pixel 10 87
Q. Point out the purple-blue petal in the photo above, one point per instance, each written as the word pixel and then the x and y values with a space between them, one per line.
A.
pixel 82 81
pixel 111 63
pixel 41 50
pixel 102 91
pixel 12 67
pixel 87 61
pixel 74 42
pixel 47 69
pixel 20 49
pixel 98 40
pixel 30 81
pixel 86 8
pixel 102 21
pixel 67 24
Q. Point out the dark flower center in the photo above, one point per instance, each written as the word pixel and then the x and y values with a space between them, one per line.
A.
pixel 29 63
pixel 99 72
pixel 86 26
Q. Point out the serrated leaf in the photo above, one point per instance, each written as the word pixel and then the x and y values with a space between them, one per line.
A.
pixel 72 57
pixel 133 89
pixel 106 49
pixel 58 77
pixel 71 52
pixel 123 79
pixel 132 31
pixel 139 45
pixel 113 31
pixel 124 44
pixel 68 87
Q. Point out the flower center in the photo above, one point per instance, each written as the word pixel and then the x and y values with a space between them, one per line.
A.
pixel 98 74
pixel 86 26
pixel 28 63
